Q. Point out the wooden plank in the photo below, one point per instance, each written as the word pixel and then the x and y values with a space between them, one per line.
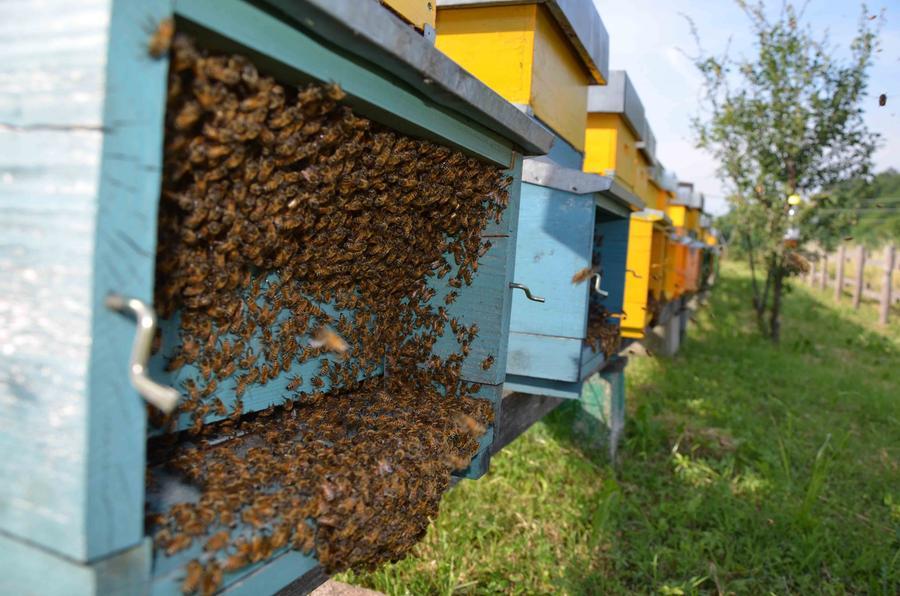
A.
pixel 548 387
pixel 613 258
pixel 887 285
pixel 372 92
pixel 520 411
pixel 124 262
pixel 554 242
pixel 544 357
pixel 30 569
pixel 860 271
pixel 839 273
pixel 76 485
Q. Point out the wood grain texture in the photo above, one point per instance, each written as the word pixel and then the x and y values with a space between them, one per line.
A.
pixel 370 91
pixel 545 387
pixel 520 411
pixel 52 70
pixel 544 356
pixel 613 256
pixel 554 242
pixel 124 262
pixel 29 569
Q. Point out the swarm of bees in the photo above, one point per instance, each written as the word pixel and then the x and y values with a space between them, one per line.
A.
pixel 290 229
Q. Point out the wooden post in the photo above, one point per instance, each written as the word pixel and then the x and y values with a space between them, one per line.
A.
pixel 812 271
pixel 860 269
pixel 839 273
pixel 823 281
pixel 886 284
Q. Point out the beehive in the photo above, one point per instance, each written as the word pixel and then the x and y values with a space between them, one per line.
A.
pixel 81 497
pixel 540 55
pixel 620 143
pixel 572 225
pixel 418 13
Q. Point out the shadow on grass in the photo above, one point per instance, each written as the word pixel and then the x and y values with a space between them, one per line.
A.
pixel 752 467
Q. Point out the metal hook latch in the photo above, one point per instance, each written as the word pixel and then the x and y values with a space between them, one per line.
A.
pixel 596 278
pixel 528 293
pixel 163 397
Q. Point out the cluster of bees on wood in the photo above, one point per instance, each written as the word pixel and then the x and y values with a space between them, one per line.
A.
pixel 602 329
pixel 293 230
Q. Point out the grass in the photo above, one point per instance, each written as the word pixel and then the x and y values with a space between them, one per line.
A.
pixel 745 468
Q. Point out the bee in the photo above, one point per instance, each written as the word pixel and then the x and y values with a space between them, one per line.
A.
pixel 487 363
pixel 178 543
pixel 161 39
pixel 582 275
pixel 295 383
pixel 217 541
pixel 194 573
pixel 328 339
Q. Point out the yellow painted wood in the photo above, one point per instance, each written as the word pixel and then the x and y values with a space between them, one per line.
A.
pixel 611 148
pixel 496 44
pixel 521 53
pixel 692 220
pixel 658 261
pixel 560 81
pixel 637 278
pixel 678 215
pixel 417 12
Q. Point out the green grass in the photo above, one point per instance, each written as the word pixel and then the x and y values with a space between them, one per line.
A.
pixel 746 468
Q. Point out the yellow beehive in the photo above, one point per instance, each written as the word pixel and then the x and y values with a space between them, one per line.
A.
pixel 419 13
pixel 539 55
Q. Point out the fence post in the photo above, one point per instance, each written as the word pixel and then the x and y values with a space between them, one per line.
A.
pixel 823 281
pixel 839 273
pixel 860 269
pixel 812 270
pixel 886 284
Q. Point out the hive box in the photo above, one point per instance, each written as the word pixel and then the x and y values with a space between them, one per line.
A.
pixel 80 201
pixel 563 212
pixel 620 143
pixel 538 54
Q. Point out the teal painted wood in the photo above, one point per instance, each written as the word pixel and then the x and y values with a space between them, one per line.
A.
pixel 613 252
pixel 29 569
pixel 75 486
pixel 600 421
pixel 591 361
pixel 555 240
pixel 544 356
pixel 124 263
pixel 481 462
pixel 373 93
pixel 565 154
pixel 548 387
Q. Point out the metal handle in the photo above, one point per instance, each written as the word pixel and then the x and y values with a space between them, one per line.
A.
pixel 596 278
pixel 163 397
pixel 528 293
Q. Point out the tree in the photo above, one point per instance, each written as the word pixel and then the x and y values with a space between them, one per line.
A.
pixel 786 125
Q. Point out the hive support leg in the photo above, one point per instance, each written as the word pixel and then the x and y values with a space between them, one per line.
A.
pixel 600 419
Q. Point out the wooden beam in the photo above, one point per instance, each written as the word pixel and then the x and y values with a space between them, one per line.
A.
pixel 518 412
pixel 886 284
pixel 860 269
pixel 839 273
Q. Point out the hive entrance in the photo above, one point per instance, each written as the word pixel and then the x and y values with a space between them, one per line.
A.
pixel 301 249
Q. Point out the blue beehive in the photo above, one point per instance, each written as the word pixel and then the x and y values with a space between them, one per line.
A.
pixel 81 183
pixel 568 221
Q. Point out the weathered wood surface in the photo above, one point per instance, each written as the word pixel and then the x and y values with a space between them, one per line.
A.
pixel 555 239
pixel 887 285
pixel 75 485
pixel 519 412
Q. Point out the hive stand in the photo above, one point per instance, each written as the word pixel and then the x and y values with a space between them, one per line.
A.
pixel 82 169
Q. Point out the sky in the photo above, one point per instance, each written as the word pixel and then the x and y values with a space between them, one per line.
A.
pixel 648 38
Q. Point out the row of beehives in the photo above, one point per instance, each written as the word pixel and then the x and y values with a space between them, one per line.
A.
pixel 343 242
